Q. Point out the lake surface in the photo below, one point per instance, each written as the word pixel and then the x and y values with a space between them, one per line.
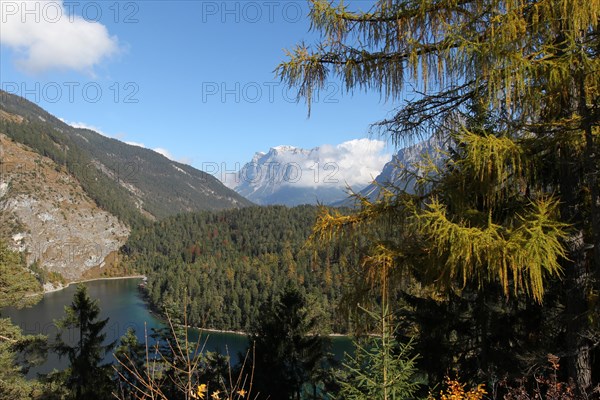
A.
pixel 120 300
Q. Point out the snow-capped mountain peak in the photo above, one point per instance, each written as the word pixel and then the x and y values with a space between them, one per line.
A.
pixel 406 158
pixel 291 175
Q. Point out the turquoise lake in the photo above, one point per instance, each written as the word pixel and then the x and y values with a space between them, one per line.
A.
pixel 120 300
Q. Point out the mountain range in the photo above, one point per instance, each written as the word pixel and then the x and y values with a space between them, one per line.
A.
pixel 146 182
pixel 70 196
pixel 290 176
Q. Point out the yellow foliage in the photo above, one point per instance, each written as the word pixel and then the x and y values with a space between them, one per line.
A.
pixel 522 254
pixel 493 161
pixel 456 391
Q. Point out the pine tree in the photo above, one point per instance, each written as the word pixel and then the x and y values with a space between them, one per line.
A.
pixel 517 203
pixel 86 376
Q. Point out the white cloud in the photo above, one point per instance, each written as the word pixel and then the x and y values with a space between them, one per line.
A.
pixel 170 156
pixel 136 144
pixel 164 152
pixel 45 37
pixel 83 125
pixel 355 163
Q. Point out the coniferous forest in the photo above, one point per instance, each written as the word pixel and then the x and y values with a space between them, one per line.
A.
pixel 227 264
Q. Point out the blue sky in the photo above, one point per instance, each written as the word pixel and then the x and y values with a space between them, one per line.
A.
pixel 194 78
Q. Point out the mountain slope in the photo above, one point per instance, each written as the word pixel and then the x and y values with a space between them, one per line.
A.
pixel 46 214
pixel 408 158
pixel 131 182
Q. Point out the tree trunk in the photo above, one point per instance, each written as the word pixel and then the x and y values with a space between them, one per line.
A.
pixel 578 345
pixel 592 176
pixel 584 267
pixel 579 366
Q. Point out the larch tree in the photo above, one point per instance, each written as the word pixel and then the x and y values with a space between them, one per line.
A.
pixel 513 87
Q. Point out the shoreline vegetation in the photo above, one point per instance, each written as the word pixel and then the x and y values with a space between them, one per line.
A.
pixel 51 288
pixel 152 309
pixel 241 333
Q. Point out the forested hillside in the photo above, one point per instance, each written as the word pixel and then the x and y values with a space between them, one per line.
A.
pixel 228 263
pixel 131 182
pixel 50 143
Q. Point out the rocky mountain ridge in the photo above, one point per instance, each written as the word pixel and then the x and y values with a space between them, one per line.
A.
pixel 405 164
pixel 131 182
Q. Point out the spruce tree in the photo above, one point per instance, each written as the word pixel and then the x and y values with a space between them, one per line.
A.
pixel 87 377
pixel 287 349
pixel 381 368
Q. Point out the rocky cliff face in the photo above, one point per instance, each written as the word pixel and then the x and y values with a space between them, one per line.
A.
pixel 46 214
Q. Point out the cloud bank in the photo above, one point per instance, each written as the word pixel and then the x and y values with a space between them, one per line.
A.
pixel 359 161
pixel 46 37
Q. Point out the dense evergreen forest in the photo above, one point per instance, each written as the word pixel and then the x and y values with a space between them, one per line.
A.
pixel 227 264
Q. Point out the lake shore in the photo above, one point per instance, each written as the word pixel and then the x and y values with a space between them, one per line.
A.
pixel 61 287
pixel 209 330
pixel 152 309
pixel 246 333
